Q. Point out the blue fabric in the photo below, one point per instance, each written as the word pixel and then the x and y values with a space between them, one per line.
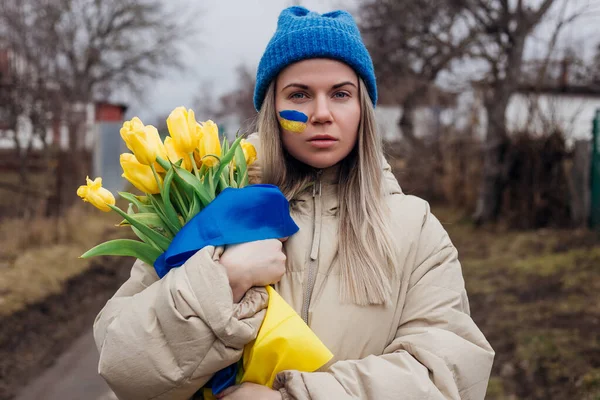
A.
pixel 303 34
pixel 223 379
pixel 293 115
pixel 255 212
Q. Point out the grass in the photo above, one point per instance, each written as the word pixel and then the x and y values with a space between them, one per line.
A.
pixel 38 256
pixel 535 295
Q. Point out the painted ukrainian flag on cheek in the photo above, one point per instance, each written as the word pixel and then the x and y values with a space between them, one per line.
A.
pixel 293 121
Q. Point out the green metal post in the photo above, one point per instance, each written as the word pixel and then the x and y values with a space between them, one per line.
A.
pixel 595 173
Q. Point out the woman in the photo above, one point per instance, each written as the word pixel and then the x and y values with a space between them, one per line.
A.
pixel 371 270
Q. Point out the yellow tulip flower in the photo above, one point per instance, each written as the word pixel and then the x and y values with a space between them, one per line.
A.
pixel 94 193
pixel 131 127
pixel 138 174
pixel 209 143
pixel 175 154
pixel 249 152
pixel 183 128
pixel 197 158
pixel 143 140
pixel 146 145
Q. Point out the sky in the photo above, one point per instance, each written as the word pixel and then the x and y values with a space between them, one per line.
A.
pixel 231 32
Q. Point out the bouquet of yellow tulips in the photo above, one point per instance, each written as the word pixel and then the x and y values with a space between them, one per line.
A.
pixel 179 177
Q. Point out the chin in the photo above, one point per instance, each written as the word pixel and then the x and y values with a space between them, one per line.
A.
pixel 321 163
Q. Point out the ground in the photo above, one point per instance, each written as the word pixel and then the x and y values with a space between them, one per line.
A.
pixel 48 296
pixel 534 295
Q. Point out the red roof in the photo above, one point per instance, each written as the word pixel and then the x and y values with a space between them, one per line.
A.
pixel 108 112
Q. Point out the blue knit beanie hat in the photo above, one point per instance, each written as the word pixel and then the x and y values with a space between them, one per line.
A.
pixel 303 34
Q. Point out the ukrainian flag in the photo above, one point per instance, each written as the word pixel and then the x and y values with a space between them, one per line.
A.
pixel 293 121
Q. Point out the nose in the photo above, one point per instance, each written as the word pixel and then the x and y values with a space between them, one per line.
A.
pixel 321 113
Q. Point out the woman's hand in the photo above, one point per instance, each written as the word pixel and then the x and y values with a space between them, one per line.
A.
pixel 257 263
pixel 251 391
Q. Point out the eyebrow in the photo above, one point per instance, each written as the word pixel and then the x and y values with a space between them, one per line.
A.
pixel 305 87
pixel 339 85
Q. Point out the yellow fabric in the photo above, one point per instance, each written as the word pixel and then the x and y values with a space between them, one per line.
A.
pixel 283 342
pixel 208 394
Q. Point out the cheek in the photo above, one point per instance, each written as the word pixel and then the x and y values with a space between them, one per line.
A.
pixel 289 141
pixel 350 123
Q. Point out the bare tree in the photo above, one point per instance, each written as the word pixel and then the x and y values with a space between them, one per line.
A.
pixel 70 52
pixel 508 25
pixel 595 67
pixel 25 97
pixel 238 102
pixel 411 43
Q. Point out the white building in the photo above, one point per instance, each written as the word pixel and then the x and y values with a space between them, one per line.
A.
pixel 571 109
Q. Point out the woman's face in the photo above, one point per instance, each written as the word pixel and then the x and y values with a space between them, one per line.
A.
pixel 327 92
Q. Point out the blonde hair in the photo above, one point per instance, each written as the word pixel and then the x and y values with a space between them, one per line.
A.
pixel 365 248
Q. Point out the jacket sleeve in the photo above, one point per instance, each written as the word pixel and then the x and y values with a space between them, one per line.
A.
pixel 438 351
pixel 164 339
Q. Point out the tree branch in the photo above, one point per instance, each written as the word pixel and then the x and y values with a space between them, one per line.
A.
pixel 537 16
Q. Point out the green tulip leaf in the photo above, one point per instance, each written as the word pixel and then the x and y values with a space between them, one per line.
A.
pixel 153 221
pixel 145 238
pixel 185 177
pixel 156 237
pixel 194 208
pixel 165 164
pixel 170 211
pixel 141 206
pixel 159 209
pixel 125 247
pixel 139 234
pixel 241 167
pixel 225 145
pixel 226 159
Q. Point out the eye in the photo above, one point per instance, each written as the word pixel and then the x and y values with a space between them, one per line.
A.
pixel 297 96
pixel 341 95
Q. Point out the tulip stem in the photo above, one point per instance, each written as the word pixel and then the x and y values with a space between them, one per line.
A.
pixel 156 177
pixel 160 186
pixel 194 165
pixel 182 204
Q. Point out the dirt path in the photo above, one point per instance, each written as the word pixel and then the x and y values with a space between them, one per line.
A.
pixel 34 339
pixel 74 376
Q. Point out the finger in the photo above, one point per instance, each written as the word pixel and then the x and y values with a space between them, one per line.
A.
pixel 228 391
pixel 283 240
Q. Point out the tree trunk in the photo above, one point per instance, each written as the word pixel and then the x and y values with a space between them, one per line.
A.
pixel 489 202
pixel 406 122
pixel 579 183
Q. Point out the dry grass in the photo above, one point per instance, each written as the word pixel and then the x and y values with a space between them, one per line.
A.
pixel 37 256
pixel 10 200
pixel 534 294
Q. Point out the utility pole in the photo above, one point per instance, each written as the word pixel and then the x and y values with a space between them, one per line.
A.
pixel 595 173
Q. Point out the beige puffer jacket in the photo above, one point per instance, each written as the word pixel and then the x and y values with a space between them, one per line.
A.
pixel 164 339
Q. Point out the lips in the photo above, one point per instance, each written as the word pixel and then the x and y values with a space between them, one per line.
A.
pixel 322 142
pixel 322 138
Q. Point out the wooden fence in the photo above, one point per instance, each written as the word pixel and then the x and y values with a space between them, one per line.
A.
pixel 43 183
